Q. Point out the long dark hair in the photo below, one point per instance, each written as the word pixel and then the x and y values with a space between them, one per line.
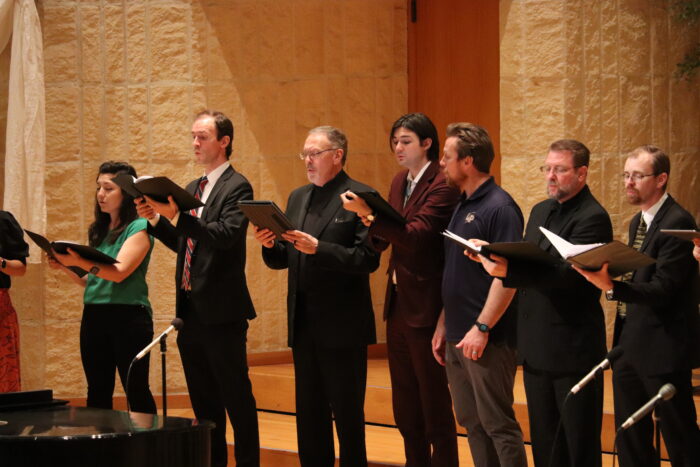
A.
pixel 127 211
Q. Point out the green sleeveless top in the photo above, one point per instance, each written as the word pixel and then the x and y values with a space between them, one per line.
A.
pixel 131 291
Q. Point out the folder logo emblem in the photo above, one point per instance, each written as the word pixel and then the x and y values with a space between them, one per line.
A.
pixel 470 217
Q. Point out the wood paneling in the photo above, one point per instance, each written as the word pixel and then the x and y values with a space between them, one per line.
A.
pixel 453 64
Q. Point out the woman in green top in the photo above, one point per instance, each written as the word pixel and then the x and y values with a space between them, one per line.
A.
pixel 117 320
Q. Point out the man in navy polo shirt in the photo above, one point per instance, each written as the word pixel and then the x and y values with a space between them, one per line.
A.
pixel 474 336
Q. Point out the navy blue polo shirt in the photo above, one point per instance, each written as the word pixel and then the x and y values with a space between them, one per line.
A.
pixel 489 214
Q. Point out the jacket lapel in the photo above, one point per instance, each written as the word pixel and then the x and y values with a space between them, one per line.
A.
pixel 658 217
pixel 300 213
pixel 211 200
pixel 332 208
pixel 423 184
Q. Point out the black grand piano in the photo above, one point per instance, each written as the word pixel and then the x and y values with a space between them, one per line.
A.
pixel 54 434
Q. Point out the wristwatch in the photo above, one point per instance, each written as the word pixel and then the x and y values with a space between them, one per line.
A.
pixel 482 327
pixel 94 270
pixel 609 294
pixel 371 217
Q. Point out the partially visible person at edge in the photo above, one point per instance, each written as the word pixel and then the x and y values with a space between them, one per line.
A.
pixel 13 262
pixel 117 318
pixel 420 396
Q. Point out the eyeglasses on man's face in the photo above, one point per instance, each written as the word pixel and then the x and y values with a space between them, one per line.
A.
pixel 557 169
pixel 314 155
pixel 635 176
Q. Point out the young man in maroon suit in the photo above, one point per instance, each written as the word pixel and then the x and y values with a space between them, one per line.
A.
pixel 421 399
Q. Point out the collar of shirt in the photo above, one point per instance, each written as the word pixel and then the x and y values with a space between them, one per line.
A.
pixel 480 192
pixel 571 203
pixel 651 212
pixel 331 184
pixel 212 178
pixel 415 181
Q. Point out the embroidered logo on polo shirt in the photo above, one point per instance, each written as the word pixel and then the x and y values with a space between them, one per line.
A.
pixel 470 217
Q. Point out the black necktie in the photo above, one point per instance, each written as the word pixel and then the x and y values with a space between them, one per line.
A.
pixel 636 244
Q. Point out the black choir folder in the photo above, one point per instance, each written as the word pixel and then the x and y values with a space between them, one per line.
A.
pixel 380 206
pixel 621 258
pixel 266 215
pixel 683 234
pixel 522 251
pixel 158 188
pixel 61 247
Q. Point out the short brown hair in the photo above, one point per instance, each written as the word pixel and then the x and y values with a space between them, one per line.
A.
pixel 660 162
pixel 224 127
pixel 474 141
pixel 578 150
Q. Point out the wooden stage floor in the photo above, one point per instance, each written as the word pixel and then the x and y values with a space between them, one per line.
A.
pixel 274 391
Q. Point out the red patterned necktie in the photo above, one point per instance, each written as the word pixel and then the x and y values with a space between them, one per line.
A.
pixel 191 242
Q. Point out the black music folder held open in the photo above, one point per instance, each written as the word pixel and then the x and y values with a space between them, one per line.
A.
pixel 521 251
pixel 61 247
pixel 620 257
pixel 683 234
pixel 158 188
pixel 266 215
pixel 380 206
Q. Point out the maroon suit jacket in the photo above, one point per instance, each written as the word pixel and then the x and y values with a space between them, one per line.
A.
pixel 417 253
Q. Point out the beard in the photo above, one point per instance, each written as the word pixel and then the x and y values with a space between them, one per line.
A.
pixel 453 182
pixel 559 191
pixel 633 197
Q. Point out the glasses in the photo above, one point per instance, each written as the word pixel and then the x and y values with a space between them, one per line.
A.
pixel 557 169
pixel 635 176
pixel 314 155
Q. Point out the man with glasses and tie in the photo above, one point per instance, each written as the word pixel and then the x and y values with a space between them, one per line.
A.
pixel 330 316
pixel 657 318
pixel 212 294
pixel 561 325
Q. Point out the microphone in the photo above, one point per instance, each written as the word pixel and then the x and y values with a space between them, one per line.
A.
pixel 666 392
pixel 613 355
pixel 175 324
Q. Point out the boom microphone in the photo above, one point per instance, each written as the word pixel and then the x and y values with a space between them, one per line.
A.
pixel 613 355
pixel 175 324
pixel 666 392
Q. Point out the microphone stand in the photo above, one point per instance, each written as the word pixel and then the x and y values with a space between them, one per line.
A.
pixel 657 433
pixel 163 351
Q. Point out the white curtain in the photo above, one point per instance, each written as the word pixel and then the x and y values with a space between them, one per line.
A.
pixel 25 144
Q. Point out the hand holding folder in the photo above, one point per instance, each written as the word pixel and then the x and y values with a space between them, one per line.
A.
pixel 158 188
pixel 61 247
pixel 620 257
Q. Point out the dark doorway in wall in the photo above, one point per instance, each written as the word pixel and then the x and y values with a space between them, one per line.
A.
pixel 453 64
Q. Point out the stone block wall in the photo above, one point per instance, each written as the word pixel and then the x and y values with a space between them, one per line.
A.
pixel 124 80
pixel 600 71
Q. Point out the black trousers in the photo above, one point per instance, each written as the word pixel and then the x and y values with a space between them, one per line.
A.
pixel 578 442
pixel 110 337
pixel 330 383
pixel 216 370
pixel 677 417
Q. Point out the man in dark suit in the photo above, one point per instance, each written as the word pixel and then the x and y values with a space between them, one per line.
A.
pixel 330 317
pixel 657 320
pixel 212 294
pixel 561 325
pixel 420 396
